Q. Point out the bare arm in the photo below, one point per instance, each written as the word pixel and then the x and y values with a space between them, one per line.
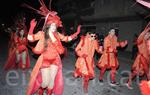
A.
pixel 71 37
pixel 141 37
pixel 63 37
pixel 122 43
pixel 33 37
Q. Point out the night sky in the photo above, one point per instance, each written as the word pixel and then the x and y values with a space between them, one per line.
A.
pixel 10 8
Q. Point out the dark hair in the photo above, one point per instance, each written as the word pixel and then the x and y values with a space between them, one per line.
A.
pixel 90 33
pixel 116 31
pixel 46 35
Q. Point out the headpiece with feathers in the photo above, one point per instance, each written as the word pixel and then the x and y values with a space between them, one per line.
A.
pixel 20 22
pixel 50 16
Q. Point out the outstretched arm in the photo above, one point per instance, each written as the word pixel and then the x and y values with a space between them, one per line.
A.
pixel 141 36
pixel 122 44
pixel 33 37
pixel 146 4
pixel 71 37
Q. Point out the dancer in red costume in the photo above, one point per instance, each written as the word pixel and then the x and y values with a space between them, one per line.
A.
pixel 145 85
pixel 109 59
pixel 85 62
pixel 18 56
pixel 47 73
pixel 141 63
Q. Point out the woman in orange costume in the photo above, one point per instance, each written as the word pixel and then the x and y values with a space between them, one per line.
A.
pixel 85 62
pixel 18 56
pixel 47 73
pixel 145 85
pixel 141 63
pixel 109 59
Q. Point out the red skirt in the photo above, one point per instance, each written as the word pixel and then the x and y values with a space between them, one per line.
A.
pixel 47 62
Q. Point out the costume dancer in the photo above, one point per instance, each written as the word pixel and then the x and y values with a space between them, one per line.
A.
pixel 18 56
pixel 145 85
pixel 85 62
pixel 141 63
pixel 47 73
pixel 109 59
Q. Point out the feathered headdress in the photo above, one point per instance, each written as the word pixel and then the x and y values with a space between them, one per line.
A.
pixel 20 22
pixel 50 16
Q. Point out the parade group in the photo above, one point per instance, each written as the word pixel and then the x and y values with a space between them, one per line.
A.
pixel 46 75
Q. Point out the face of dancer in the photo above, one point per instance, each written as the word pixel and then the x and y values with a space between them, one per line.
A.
pixel 92 36
pixel 112 32
pixel 22 32
pixel 53 27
